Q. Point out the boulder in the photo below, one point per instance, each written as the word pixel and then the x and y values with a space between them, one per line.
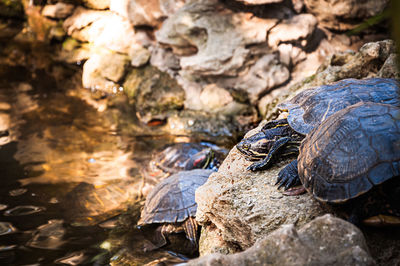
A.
pixel 235 200
pixel 344 15
pixel 325 240
pixel 212 38
pixel 101 28
pixel 154 93
pixel 103 71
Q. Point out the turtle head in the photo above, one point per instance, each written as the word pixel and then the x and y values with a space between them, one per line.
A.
pixel 255 147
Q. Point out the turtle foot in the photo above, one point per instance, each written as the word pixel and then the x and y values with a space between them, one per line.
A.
pixel 288 177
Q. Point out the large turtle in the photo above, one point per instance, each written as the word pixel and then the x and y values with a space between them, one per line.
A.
pixel 171 205
pixel 308 110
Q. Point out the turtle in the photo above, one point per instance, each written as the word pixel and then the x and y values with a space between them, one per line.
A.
pixel 307 110
pixel 180 157
pixel 354 151
pixel 171 206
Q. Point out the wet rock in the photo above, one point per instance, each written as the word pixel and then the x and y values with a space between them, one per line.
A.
pixel 101 28
pixel 344 15
pixel 97 4
pixel 296 29
pixel 237 200
pixel 324 241
pixel 199 29
pixel 58 11
pixel 103 71
pixel 215 97
pixel 153 92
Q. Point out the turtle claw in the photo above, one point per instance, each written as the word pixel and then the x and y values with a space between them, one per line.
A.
pixel 288 176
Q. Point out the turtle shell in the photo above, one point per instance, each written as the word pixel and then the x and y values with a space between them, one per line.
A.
pixel 354 150
pixel 311 107
pixel 182 156
pixel 172 200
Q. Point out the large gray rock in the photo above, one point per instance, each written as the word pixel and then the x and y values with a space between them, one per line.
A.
pixel 245 206
pixel 101 28
pixel 213 36
pixel 344 15
pixel 324 241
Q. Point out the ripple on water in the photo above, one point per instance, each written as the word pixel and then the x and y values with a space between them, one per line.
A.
pixel 74 258
pixel 3 207
pixel 17 192
pixel 23 210
pixel 49 236
pixel 6 228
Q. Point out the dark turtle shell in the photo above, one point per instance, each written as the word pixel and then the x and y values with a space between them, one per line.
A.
pixel 354 150
pixel 311 107
pixel 172 200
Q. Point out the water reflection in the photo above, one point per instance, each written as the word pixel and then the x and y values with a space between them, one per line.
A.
pixel 49 236
pixel 6 228
pixel 23 210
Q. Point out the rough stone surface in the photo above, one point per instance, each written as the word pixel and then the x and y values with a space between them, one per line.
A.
pixel 101 28
pixel 154 93
pixel 215 34
pixel 58 11
pixel 237 200
pixel 324 241
pixel 373 59
pixel 104 71
pixel 295 29
pixel 344 15
pixel 215 97
pixel 389 68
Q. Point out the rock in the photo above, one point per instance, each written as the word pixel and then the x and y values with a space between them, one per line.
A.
pixel 324 241
pixel 149 13
pixel 296 29
pixel 370 61
pixel 207 34
pixel 298 5
pixel 153 92
pixel 164 59
pixel 11 9
pixel 97 4
pixel 237 200
pixel 101 28
pixel 58 11
pixel 215 97
pixel 259 2
pixel 139 55
pixel 389 68
pixel 264 75
pixel 103 71
pixel 344 15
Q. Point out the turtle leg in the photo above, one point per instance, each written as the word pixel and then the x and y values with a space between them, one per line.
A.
pixel 190 227
pixel 264 163
pixel 288 177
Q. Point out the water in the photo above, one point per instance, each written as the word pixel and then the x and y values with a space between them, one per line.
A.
pixel 66 169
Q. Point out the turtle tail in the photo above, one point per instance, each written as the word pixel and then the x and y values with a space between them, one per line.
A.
pixel 190 227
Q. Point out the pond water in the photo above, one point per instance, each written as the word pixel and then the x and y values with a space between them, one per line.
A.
pixel 67 170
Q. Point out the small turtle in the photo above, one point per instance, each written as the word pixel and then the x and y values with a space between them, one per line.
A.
pixel 171 205
pixel 308 110
pixel 180 157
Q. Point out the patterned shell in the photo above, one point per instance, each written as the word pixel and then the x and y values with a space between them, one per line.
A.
pixel 311 107
pixel 352 151
pixel 172 200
